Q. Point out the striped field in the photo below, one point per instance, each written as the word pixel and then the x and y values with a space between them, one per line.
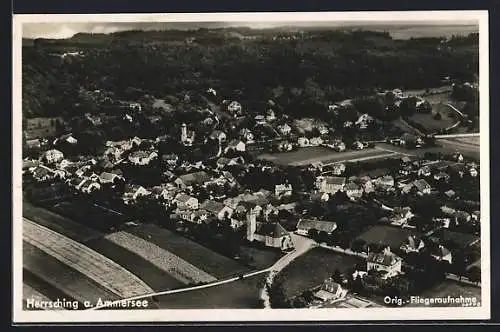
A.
pixel 164 260
pixel 84 260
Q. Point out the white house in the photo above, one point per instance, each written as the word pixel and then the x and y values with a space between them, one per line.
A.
pixel 53 156
pixel 133 192
pixel 305 225
pixel 386 262
pixel 330 184
pixel 330 291
pixel 285 129
pixel 303 141
pixel 412 244
pixel 353 190
pixel 142 157
pixel 236 145
pixel 218 209
pixel 185 201
pixel 283 190
pixel 442 254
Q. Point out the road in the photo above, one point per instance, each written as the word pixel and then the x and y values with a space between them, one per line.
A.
pixel 302 245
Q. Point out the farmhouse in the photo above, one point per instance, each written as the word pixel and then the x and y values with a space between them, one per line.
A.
pixel 441 253
pixel 412 244
pixel 285 129
pixel 142 157
pixel 236 145
pixel 188 180
pixel 305 225
pixel 353 191
pixel 330 290
pixel 53 156
pixel 217 209
pixel 283 190
pixel 270 234
pixel 330 184
pixel 133 192
pixel 186 202
pixel 401 216
pixel 422 186
pixel 385 261
pixel 385 182
pixel 193 216
pixel 108 178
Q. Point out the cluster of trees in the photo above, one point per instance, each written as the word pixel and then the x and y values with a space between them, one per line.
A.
pixel 354 66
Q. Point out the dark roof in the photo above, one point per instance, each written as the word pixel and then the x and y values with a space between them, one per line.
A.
pixel 351 186
pixel 320 225
pixel 212 206
pixel 274 230
pixel 335 180
pixel 386 259
pixel 195 178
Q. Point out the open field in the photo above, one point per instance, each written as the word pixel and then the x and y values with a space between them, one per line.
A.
pixel 150 274
pixel 308 155
pixel 448 118
pixel 468 146
pixel 240 294
pixel 84 260
pixel 443 147
pixel 162 259
pixel 389 235
pixel 61 277
pixel 203 258
pixel 449 288
pixel 312 268
pixel 60 224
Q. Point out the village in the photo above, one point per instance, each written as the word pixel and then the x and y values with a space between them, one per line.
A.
pixel 395 202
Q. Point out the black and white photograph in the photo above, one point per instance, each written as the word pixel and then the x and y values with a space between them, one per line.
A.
pixel 220 166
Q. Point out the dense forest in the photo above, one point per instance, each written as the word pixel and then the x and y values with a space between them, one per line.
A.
pixel 301 71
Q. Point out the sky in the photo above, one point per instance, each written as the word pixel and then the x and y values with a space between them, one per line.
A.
pixel 66 30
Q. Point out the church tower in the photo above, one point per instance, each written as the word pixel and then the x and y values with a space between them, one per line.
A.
pixel 183 133
pixel 251 225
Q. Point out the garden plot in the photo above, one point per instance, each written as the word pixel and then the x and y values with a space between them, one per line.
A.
pixel 164 260
pixel 85 260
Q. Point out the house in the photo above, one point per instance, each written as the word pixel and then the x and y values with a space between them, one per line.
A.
pixel 473 172
pixel 303 141
pixel 217 209
pixel 338 169
pixel 68 138
pixel 53 156
pixel 353 190
pixel 234 107
pixel 260 119
pixel 170 159
pixel 42 173
pixel 366 183
pixel 357 145
pixel 218 135
pixel 450 193
pixel 247 135
pixel 270 115
pixel 448 210
pixel 424 171
pixel 193 216
pixel 386 262
pixel 186 202
pixel 363 121
pixel 457 156
pixel 441 176
pixel 476 215
pixel 108 178
pixel 88 186
pixel 319 197
pixel 33 144
pixel 283 190
pixel 196 178
pixel 142 157
pixel 412 244
pixel 462 217
pixel 133 192
pixel 323 130
pixel 422 186
pixel 285 129
pixel 270 234
pixel 330 184
pixel 339 146
pixel 315 141
pixel 305 225
pixel 236 145
pixel 440 253
pixel 330 291
pixel 400 216
pixel 385 182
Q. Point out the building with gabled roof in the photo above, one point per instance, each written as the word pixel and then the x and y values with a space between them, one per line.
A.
pixel 271 234
pixel 386 262
pixel 305 225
